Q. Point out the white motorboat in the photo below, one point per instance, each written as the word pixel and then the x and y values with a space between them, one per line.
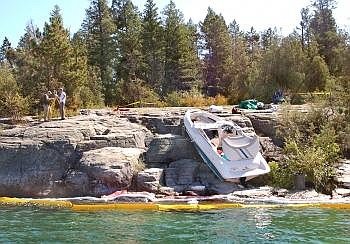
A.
pixel 230 153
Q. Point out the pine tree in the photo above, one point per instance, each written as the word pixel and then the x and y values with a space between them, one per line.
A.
pixel 253 41
pixel 29 66
pixel 89 90
pixel 11 102
pixel 99 28
pixel 129 64
pixel 291 61
pixel 152 46
pixel 268 38
pixel 56 55
pixel 173 20
pixel 181 63
pixel 5 47
pixel 238 88
pixel 317 74
pixel 118 14
pixel 305 27
pixel 129 43
pixel 190 74
pixel 324 29
pixel 218 53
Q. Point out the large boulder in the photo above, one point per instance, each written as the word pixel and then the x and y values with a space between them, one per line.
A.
pixel 160 122
pixel 212 183
pixel 270 151
pixel 42 159
pixel 189 175
pixel 181 172
pixel 164 149
pixel 150 180
pixel 343 173
pixel 110 169
pixel 31 168
pixel 75 183
pixel 266 124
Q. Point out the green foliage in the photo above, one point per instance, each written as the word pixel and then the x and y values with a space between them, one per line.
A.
pixel 30 67
pixel 11 103
pixel 86 98
pixel 89 90
pixel 14 106
pixel 218 59
pixel 5 52
pixel 98 28
pixel 301 125
pixel 130 58
pixel 56 54
pixel 315 158
pixel 238 86
pixel 193 98
pixel 135 91
pixel 152 47
pixel 174 99
pixel 121 56
pixel 338 109
pixel 280 176
pixel 181 62
pixel 311 146
pixel 317 75
pixel 324 30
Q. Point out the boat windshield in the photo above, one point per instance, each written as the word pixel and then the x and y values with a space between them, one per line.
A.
pixel 228 128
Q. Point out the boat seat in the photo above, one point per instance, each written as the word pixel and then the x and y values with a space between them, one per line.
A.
pixel 240 140
pixel 240 147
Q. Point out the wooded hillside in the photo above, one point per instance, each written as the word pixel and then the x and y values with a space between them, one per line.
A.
pixel 121 55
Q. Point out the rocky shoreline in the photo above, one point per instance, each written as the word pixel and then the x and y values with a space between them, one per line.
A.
pixel 103 151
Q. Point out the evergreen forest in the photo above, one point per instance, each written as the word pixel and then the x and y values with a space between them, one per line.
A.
pixel 122 55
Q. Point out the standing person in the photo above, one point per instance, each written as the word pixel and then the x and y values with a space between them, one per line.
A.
pixel 46 101
pixel 62 101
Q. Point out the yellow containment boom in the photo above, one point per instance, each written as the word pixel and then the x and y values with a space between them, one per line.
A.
pixel 114 206
pixel 35 202
pixel 52 203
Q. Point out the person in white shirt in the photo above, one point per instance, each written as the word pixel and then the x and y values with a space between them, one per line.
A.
pixel 62 101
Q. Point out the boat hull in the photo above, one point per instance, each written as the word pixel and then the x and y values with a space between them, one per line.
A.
pixel 224 168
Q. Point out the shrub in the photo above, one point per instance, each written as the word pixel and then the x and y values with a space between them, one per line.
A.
pixel 11 102
pixel 217 100
pixel 174 99
pixel 280 176
pixel 316 158
pixel 85 98
pixel 14 106
pixel 135 91
pixel 193 98
pixel 311 146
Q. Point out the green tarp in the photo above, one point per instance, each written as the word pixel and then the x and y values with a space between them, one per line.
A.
pixel 248 104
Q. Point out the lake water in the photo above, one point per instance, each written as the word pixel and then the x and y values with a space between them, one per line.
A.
pixel 282 225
